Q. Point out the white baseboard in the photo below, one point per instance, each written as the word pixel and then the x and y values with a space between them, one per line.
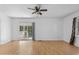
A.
pixel 4 42
pixel 49 39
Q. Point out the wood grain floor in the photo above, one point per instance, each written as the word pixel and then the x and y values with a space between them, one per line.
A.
pixel 38 48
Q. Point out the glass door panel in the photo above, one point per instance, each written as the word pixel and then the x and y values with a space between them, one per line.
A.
pixel 30 31
pixel 21 28
pixel 25 28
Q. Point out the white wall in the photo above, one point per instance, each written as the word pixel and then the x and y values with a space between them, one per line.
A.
pixel 45 28
pixel 5 29
pixel 68 28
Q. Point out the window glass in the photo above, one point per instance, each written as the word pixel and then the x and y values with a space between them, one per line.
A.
pixel 25 28
pixel 25 34
pixel 30 31
pixel 21 28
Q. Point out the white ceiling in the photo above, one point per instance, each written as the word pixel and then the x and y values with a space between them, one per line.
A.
pixel 54 10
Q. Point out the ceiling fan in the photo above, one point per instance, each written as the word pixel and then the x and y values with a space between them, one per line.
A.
pixel 37 10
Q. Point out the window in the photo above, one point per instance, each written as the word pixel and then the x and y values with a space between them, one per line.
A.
pixel 77 28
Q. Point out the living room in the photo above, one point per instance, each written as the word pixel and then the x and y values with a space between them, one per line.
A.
pixel 42 25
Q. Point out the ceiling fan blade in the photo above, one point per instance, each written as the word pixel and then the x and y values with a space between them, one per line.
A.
pixel 31 8
pixel 33 12
pixel 43 10
pixel 40 13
